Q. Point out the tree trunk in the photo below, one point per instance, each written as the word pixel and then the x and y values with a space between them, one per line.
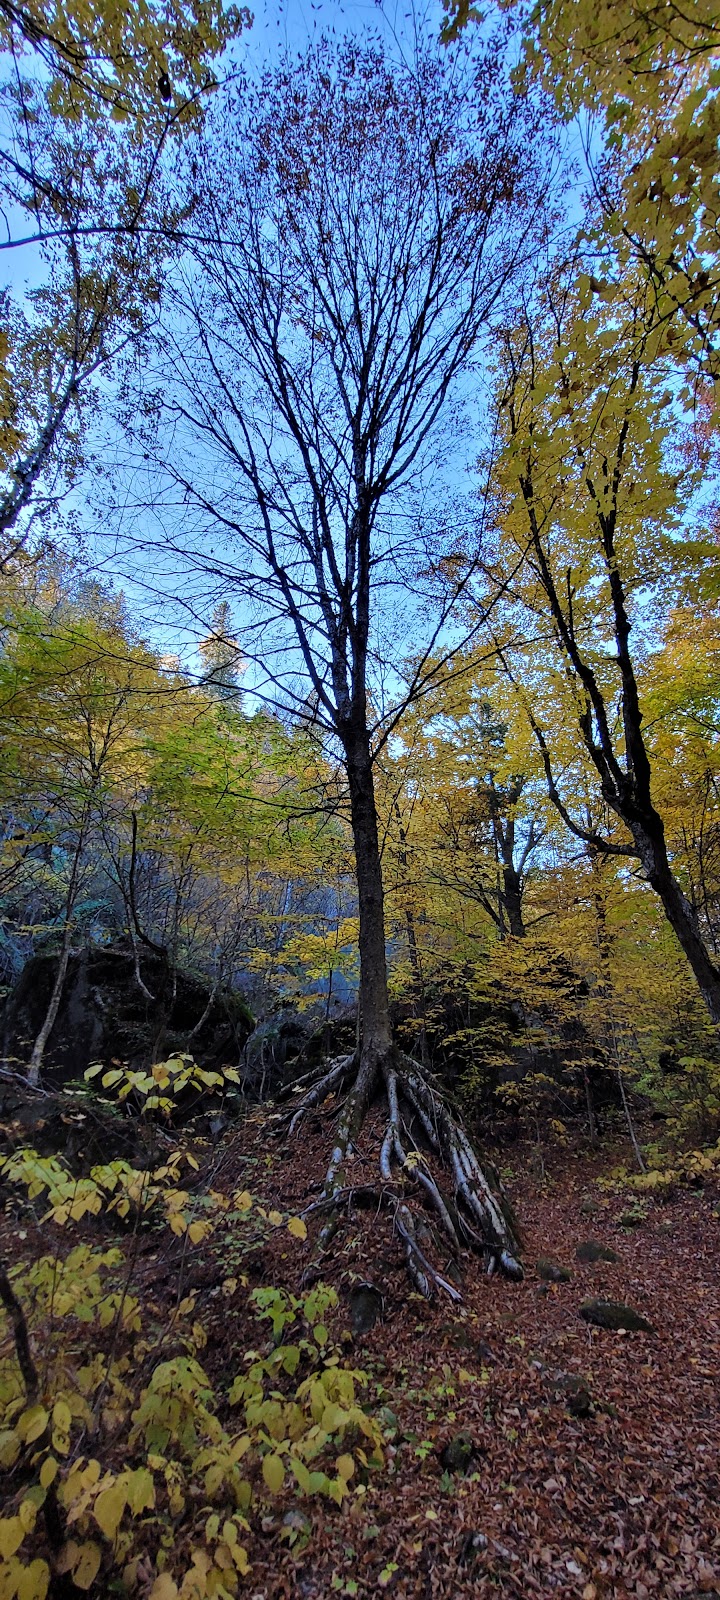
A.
pixel 38 1051
pixel 649 836
pixel 512 900
pixel 477 1214
pixel 375 1008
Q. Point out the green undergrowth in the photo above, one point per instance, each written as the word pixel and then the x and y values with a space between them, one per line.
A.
pixel 128 1465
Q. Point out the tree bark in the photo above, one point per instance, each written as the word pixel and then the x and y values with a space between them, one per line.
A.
pixel 375 1008
pixel 512 897
pixel 649 837
pixel 38 1050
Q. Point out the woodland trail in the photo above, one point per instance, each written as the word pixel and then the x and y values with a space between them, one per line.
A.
pixel 622 1502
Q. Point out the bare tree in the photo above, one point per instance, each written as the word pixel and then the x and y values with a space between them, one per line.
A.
pixel 361 219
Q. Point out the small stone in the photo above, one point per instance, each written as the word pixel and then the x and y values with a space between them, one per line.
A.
pixel 578 1398
pixel 296 1528
pixel 588 1205
pixel 632 1219
pixel 472 1544
pixel 612 1314
pixel 551 1272
pixel 366 1307
pixel 457 1454
pixel 570 1387
pixel 542 1290
pixel 592 1250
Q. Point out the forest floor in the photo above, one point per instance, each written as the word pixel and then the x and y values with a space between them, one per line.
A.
pixel 624 1501
pixel 621 1501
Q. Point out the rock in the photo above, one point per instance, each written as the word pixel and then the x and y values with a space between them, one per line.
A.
pixel 457 1454
pixel 576 1393
pixel 289 1042
pixel 574 1390
pixel 296 1528
pixel 592 1250
pixel 74 1123
pixel 551 1272
pixel 588 1206
pixel 366 1308
pixel 612 1314
pixel 472 1544
pixel 542 1290
pixel 632 1219
pixel 103 1014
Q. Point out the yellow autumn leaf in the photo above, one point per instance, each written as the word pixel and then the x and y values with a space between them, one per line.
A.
pixel 273 1473
pixel 140 1491
pixel 32 1423
pixel 109 1507
pixel 28 1515
pixel 164 1588
pixel 275 1217
pixel 12 1534
pixel 35 1581
pixel 9 1447
pixel 87 1564
pixel 297 1228
pixel 62 1416
pixel 48 1472
pixel 243 1201
pixel 345 1467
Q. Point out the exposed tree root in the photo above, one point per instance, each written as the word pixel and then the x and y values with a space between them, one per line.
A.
pixel 475 1214
pixel 320 1090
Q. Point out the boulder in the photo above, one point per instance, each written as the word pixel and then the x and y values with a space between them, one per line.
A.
pixel 104 1014
pixel 289 1043
pixel 591 1250
pixel 612 1314
pixel 366 1308
pixel 551 1272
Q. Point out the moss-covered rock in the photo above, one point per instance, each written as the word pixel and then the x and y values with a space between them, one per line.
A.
pixel 551 1272
pixel 457 1454
pixel 366 1308
pixel 105 1015
pixel 614 1315
pixel 590 1250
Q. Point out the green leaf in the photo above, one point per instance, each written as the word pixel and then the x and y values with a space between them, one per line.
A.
pixel 274 1473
